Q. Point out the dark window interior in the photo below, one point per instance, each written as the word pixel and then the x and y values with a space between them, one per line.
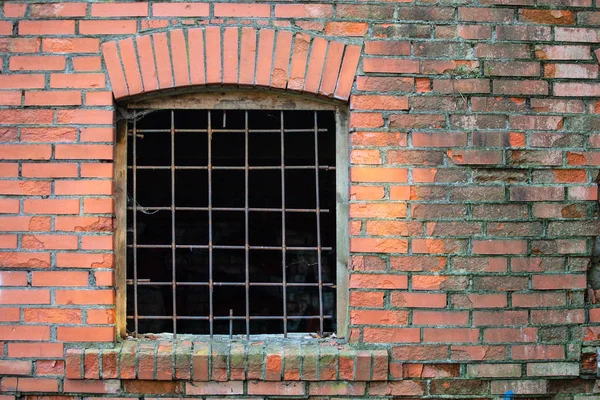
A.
pixel 265 239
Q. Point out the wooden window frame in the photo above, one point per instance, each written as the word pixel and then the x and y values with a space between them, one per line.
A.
pixel 239 100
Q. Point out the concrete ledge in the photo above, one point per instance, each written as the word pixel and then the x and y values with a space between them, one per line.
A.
pixel 228 361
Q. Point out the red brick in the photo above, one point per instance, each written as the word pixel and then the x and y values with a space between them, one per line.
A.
pixel 55 27
pixel 97 99
pixel 554 17
pixel 31 296
pixel 84 297
pixel 449 335
pixel 378 317
pixel 53 98
pixel 10 98
pixel 107 386
pixel 107 27
pixel 538 300
pixel 336 389
pixel 139 9
pixel 37 63
pixel 50 170
pixel 22 81
pixel 499 247
pixel 378 281
pixel 390 65
pixel 83 187
pixel 538 352
pixel 551 282
pixel 84 260
pixel 84 224
pixel 75 45
pixel 397 388
pixel 100 316
pixel 36 385
pixel 9 170
pixel 303 10
pixel 59 278
pixel 84 116
pixel 412 353
pixel 97 134
pixel 10 314
pixel 8 242
pixel 84 151
pixel 25 188
pixel 35 350
pixel 85 334
pixel 58 10
pixel 14 10
pixel 378 174
pixel 10 224
pixel 8 278
pixel 21 332
pixel 53 315
pixel 77 81
pixel 97 242
pixel 440 318
pixel 366 299
pixel 378 245
pixel 418 300
pixel 180 10
pixel 50 368
pixel 87 63
pixel 242 10
pixel 98 206
pixel 51 206
pixel 345 28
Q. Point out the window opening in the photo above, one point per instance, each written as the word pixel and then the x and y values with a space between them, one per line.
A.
pixel 231 222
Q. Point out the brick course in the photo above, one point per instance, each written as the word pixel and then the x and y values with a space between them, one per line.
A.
pixel 473 168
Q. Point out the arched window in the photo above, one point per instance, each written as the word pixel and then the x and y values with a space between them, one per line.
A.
pixel 232 215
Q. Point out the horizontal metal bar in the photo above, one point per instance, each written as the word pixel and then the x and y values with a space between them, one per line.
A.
pixel 233 168
pixel 241 209
pixel 226 318
pixel 298 130
pixel 265 284
pixel 227 247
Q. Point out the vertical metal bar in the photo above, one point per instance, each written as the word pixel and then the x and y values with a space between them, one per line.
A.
pixel 318 215
pixel 283 254
pixel 246 239
pixel 173 239
pixel 231 323
pixel 210 229
pixel 135 274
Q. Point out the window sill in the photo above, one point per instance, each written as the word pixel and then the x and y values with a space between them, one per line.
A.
pixel 231 360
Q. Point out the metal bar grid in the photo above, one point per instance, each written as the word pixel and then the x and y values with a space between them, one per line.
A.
pixel 214 167
pixel 211 284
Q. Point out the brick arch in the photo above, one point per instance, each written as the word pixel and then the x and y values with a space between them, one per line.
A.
pixel 231 56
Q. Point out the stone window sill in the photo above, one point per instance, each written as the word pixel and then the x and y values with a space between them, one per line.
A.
pixel 228 360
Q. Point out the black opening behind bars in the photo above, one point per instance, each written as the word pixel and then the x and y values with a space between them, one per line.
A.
pixel 231 222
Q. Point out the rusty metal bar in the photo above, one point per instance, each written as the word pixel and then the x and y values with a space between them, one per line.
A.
pixel 135 274
pixel 226 318
pixel 283 255
pixel 246 226
pixel 283 248
pixel 173 238
pixel 226 130
pixel 320 267
pixel 256 167
pixel 225 247
pixel 210 229
pixel 301 210
pixel 275 284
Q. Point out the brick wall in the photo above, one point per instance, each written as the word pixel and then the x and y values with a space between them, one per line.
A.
pixel 474 137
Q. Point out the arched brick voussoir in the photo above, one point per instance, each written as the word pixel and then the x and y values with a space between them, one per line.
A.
pixel 245 56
